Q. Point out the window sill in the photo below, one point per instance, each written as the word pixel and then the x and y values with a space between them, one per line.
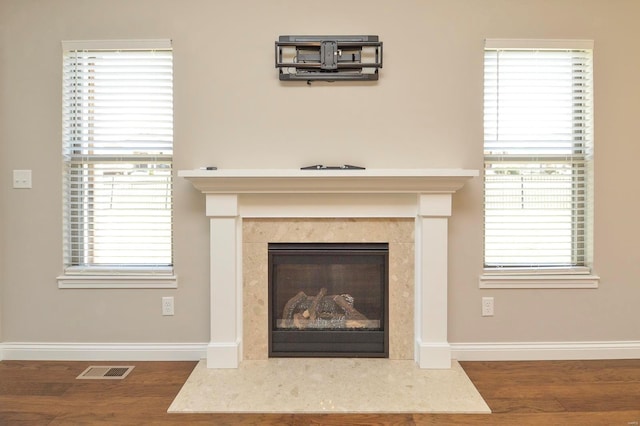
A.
pixel 538 279
pixel 117 281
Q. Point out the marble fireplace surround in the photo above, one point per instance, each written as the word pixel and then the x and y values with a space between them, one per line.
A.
pixel 409 208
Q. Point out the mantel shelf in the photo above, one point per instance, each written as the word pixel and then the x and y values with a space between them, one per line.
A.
pixel 257 181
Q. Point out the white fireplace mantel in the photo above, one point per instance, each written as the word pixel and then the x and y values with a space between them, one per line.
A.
pixel 422 194
pixel 252 181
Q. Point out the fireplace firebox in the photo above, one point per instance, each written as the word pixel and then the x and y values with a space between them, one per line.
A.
pixel 328 300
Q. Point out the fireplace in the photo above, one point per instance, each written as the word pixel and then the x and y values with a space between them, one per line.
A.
pixel 328 299
pixel 237 197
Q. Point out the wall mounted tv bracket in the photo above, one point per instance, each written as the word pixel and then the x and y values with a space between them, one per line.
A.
pixel 328 58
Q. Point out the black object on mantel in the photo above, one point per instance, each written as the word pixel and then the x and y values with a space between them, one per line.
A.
pixel 343 167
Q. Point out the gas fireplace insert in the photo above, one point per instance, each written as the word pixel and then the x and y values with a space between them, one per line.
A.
pixel 328 300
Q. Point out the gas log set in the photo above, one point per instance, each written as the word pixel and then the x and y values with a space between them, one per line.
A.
pixel 323 311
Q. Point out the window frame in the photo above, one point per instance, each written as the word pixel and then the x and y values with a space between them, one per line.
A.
pixel 120 275
pixel 541 276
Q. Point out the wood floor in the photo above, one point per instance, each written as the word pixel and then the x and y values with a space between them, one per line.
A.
pixel 518 393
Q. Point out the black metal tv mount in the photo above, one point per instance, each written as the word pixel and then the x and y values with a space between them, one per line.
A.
pixel 328 58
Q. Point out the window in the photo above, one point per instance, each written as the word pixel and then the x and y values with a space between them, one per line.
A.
pixel 117 173
pixel 538 161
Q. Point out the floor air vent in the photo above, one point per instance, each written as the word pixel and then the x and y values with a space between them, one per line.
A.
pixel 114 372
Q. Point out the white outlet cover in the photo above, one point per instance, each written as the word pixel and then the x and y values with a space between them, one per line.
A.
pixel 487 306
pixel 167 306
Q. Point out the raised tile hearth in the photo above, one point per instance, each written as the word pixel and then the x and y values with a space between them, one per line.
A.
pixel 408 208
pixel 328 385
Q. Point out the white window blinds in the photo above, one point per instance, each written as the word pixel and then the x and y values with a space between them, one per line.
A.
pixel 117 153
pixel 538 133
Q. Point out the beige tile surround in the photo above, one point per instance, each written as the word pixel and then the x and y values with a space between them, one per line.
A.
pixel 257 233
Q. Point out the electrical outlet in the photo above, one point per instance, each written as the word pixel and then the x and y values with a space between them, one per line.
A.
pixel 487 306
pixel 167 305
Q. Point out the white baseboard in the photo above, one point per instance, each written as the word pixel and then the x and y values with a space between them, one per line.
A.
pixel 543 351
pixel 514 351
pixel 102 351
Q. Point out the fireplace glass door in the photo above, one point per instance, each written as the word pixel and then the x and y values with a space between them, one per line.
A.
pixel 328 299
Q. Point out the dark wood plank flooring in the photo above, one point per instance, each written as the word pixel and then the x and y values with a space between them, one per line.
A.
pixel 601 392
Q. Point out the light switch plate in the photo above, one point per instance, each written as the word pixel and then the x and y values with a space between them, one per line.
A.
pixel 22 179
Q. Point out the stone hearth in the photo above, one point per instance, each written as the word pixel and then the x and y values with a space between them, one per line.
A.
pixel 409 208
